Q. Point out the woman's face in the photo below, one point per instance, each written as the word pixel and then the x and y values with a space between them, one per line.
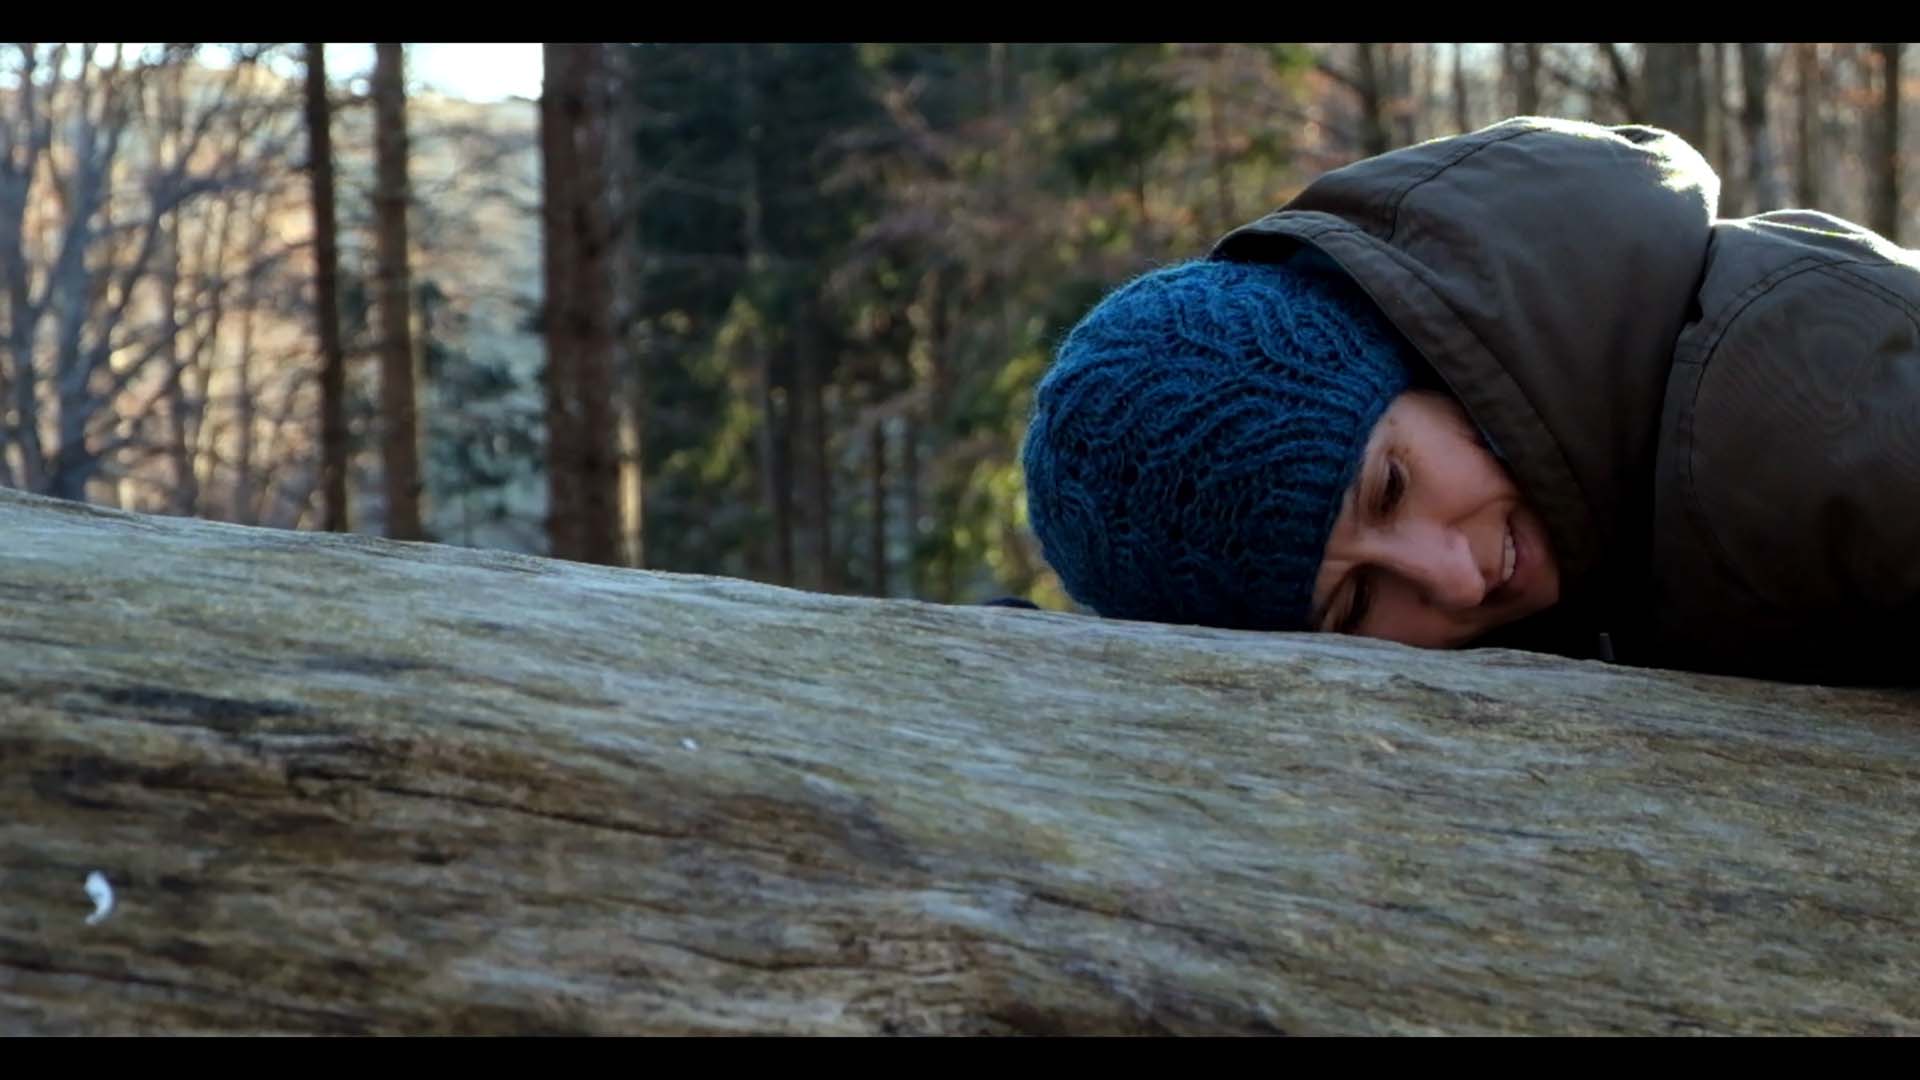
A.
pixel 1433 545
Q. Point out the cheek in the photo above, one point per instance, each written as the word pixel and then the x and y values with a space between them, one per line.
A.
pixel 1400 615
pixel 1480 479
pixel 1462 470
pixel 1494 477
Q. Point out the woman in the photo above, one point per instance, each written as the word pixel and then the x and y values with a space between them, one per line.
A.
pixel 1517 387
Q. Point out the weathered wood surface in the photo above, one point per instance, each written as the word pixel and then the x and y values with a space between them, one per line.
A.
pixel 344 785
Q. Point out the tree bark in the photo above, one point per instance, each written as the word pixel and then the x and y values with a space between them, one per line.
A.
pixel 1675 90
pixel 1719 149
pixel 400 438
pixel 559 169
pixel 624 180
pixel 778 404
pixel 583 459
pixel 1886 168
pixel 1427 102
pixel 1808 158
pixel 1521 62
pixel 326 277
pixel 1763 176
pixel 592 305
pixel 1370 86
pixel 1399 58
pixel 1462 113
pixel 1626 90
pixel 343 785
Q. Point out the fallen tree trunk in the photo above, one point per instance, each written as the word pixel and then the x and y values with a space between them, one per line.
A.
pixel 340 784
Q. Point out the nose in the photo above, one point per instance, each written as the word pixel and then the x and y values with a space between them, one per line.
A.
pixel 1438 561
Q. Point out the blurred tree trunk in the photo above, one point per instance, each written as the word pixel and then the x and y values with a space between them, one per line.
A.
pixel 1626 89
pixel 1462 106
pixel 584 460
pixel 1520 70
pixel 1427 101
pixel 1763 174
pixel 326 255
pixel 624 184
pixel 1886 166
pixel 1370 85
pixel 776 402
pixel 1403 108
pixel 558 176
pixel 1720 131
pixel 400 439
pixel 1808 148
pixel 1675 90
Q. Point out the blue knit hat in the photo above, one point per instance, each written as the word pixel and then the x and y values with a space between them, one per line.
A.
pixel 1190 446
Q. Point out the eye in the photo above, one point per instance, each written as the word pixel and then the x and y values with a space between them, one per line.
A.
pixel 1394 487
pixel 1357 607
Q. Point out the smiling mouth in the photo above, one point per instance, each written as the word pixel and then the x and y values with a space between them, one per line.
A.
pixel 1509 565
